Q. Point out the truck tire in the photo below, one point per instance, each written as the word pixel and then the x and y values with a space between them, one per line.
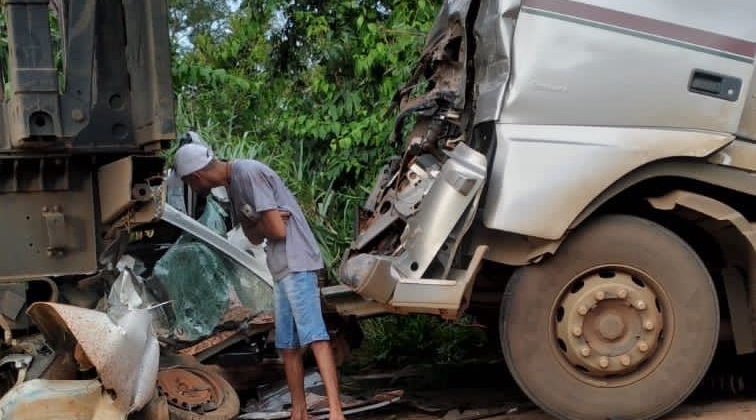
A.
pixel 187 388
pixel 621 323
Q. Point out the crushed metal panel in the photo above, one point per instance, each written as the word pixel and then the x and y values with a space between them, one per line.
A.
pixel 423 202
pixel 451 195
pixel 41 399
pixel 125 353
pixel 443 64
pixel 439 220
pixel 495 24
pixel 222 340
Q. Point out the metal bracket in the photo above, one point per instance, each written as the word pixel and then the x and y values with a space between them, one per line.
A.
pixel 56 230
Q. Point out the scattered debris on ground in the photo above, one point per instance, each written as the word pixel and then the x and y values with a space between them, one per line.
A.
pixel 274 401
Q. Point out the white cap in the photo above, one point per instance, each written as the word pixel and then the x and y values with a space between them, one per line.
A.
pixel 191 158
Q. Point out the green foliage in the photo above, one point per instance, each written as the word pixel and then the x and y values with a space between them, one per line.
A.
pixel 305 87
pixel 401 340
pixel 192 18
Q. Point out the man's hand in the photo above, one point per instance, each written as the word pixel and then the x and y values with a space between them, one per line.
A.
pixel 285 216
pixel 271 224
pixel 251 229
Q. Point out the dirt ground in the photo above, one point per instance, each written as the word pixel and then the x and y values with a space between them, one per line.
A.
pixel 488 392
pixel 722 410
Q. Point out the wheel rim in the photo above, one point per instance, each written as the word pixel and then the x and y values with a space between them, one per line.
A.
pixel 609 326
pixel 189 390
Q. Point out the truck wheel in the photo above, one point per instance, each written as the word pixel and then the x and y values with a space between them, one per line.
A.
pixel 621 323
pixel 197 393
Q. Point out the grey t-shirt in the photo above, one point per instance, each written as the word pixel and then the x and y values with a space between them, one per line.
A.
pixel 253 183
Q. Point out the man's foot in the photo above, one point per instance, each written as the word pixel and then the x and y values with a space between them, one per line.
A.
pixel 300 415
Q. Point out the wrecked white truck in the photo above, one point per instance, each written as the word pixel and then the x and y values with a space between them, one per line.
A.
pixel 580 176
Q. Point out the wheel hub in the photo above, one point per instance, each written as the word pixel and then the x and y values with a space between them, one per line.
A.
pixel 611 326
pixel 608 323
pixel 189 390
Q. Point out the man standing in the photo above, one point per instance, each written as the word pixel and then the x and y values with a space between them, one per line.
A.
pixel 266 209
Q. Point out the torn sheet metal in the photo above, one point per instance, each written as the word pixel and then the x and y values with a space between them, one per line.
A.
pixel 275 404
pixel 41 399
pixel 224 339
pixel 124 353
pixel 127 293
pixel 182 221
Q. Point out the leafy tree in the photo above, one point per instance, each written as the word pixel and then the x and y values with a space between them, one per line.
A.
pixel 190 18
pixel 305 86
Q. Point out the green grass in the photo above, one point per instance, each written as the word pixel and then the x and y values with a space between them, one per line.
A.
pixel 397 341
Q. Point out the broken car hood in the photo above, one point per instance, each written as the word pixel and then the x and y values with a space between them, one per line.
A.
pixel 125 352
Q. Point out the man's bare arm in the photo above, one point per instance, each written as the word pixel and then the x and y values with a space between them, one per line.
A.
pixel 273 224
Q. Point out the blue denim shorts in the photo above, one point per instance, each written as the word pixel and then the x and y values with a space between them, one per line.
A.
pixel 299 320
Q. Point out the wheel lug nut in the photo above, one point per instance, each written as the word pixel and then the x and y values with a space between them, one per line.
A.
pixel 577 331
pixel 604 362
pixel 585 351
pixel 625 360
pixel 600 295
pixel 641 305
pixel 582 310
pixel 642 346
pixel 648 325
pixel 622 293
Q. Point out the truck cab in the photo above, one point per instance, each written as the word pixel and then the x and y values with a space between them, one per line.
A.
pixel 579 175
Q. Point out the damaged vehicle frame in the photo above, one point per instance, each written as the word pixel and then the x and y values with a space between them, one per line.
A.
pixel 87 109
pixel 579 176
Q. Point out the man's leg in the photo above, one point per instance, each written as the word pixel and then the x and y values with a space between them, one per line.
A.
pixel 304 299
pixel 294 369
pixel 287 343
pixel 324 357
